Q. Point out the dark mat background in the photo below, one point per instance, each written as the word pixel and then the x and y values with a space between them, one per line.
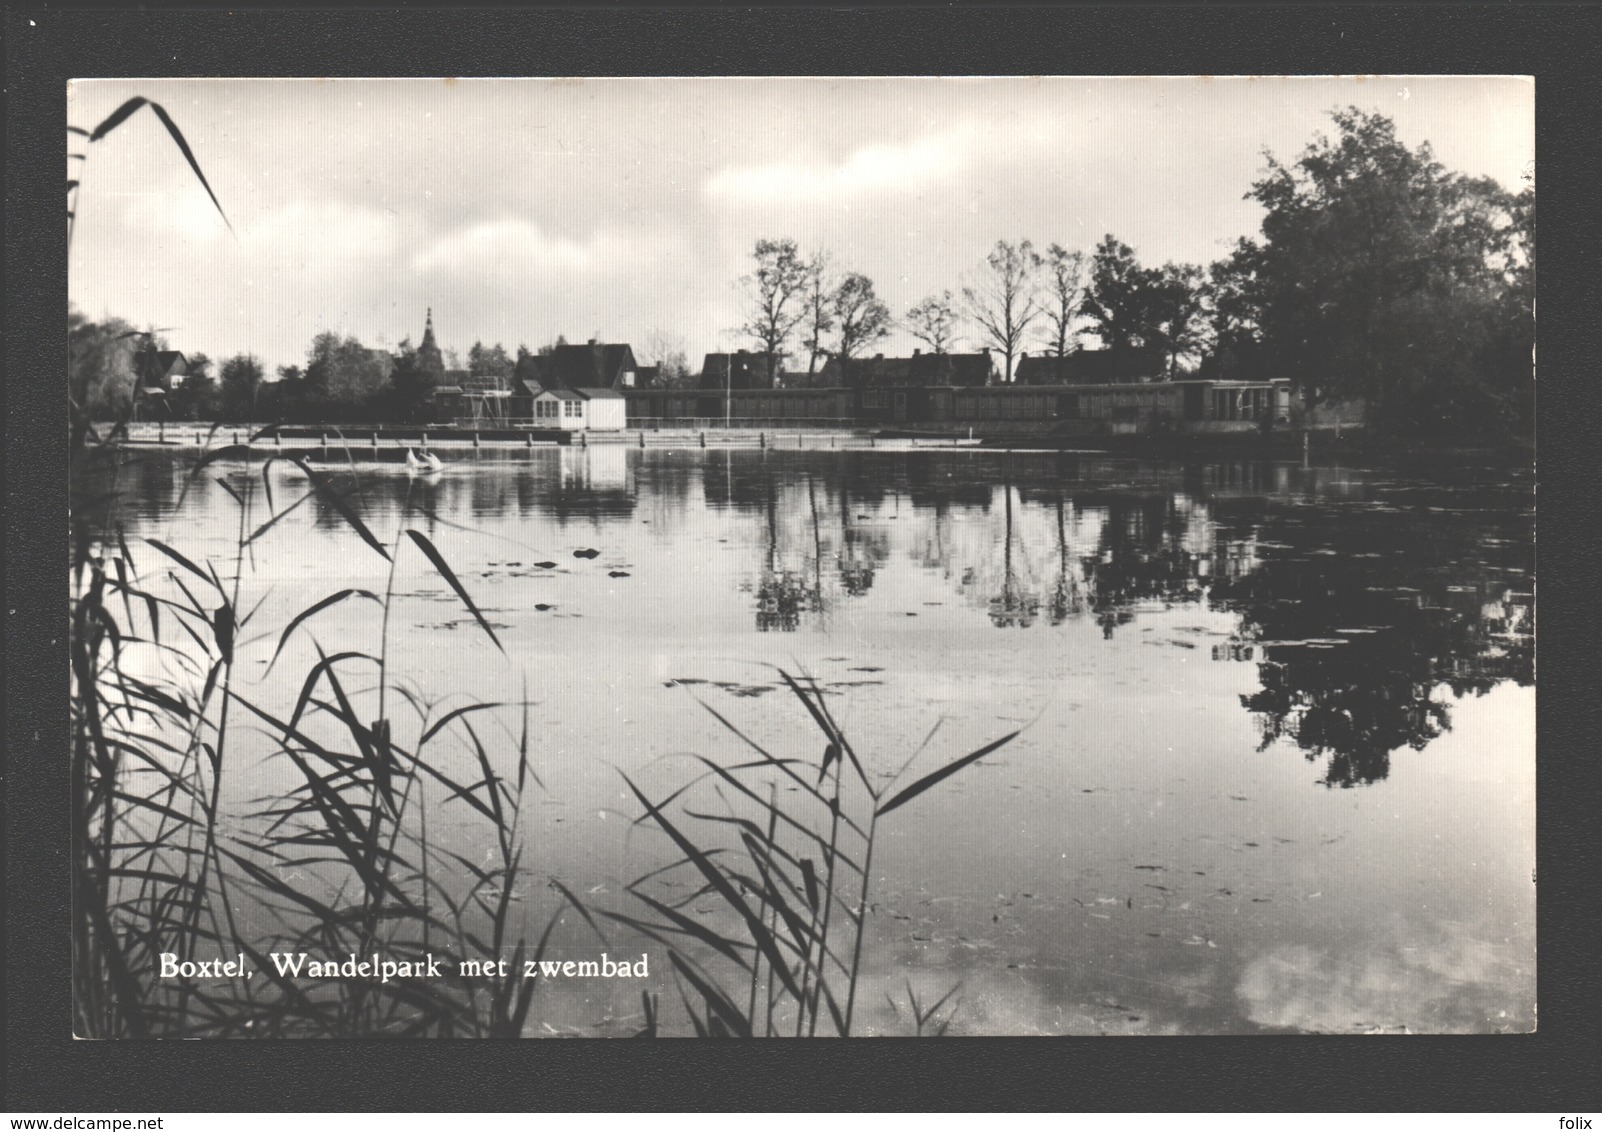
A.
pixel 1553 1070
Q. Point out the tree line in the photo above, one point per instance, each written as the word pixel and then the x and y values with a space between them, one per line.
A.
pixel 1376 274
pixel 342 381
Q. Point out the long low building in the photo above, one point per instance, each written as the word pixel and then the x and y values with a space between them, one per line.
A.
pixel 741 408
pixel 1171 406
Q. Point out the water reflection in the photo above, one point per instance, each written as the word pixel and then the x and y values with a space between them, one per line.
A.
pixel 1366 606
pixel 1356 663
pixel 1154 875
pixel 1367 602
pixel 784 594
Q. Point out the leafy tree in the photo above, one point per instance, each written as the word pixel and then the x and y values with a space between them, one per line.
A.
pixel 1004 300
pixel 280 400
pixel 347 378
pixel 527 369
pixel 1380 275
pixel 1116 296
pixel 860 317
pixel 775 297
pixel 410 384
pixel 1132 306
pixel 240 387
pixel 1177 324
pixel 100 364
pixel 1065 289
pixel 1233 310
pixel 490 361
pixel 934 322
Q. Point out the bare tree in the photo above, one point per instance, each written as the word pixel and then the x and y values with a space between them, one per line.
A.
pixel 1065 287
pixel 667 352
pixel 819 310
pixel 862 319
pixel 775 298
pixel 1003 299
pixel 934 321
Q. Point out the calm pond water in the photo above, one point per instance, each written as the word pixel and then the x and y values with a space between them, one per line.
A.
pixel 1278 769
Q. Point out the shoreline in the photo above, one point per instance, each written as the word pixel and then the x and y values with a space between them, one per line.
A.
pixel 390 443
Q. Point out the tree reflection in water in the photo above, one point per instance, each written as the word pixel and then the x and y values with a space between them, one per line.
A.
pixel 1366 604
pixel 1352 671
pixel 1067 592
pixel 783 595
pixel 860 554
pixel 1015 605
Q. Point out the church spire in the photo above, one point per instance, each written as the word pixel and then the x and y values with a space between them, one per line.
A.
pixel 429 358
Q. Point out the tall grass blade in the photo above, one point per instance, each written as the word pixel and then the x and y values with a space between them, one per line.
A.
pixel 327 493
pixel 809 877
pixel 116 118
pixel 180 559
pixel 450 576
pixel 445 720
pixel 820 716
pixel 942 774
pixel 189 156
pixel 312 611
pixel 579 907
pixel 718 1003
pixel 759 932
pixel 310 684
pixel 279 516
pixel 719 943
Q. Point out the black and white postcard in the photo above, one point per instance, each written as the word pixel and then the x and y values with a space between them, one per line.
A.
pixel 802 557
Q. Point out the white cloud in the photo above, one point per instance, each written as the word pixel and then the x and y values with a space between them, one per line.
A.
pixel 324 231
pixel 512 248
pixel 908 167
pixel 1448 983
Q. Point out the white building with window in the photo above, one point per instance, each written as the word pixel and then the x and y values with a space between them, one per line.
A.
pixel 593 410
pixel 600 410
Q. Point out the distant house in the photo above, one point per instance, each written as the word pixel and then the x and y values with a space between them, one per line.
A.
pixel 965 370
pixel 446 404
pixel 595 410
pixel 740 370
pixel 877 372
pixel 544 406
pixel 890 390
pixel 160 370
pixel 593 365
pixel 920 371
pixel 1092 367
pixel 604 410
pixel 600 410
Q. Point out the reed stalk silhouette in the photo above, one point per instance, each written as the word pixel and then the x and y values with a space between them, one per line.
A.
pixel 343 861
pixel 793 878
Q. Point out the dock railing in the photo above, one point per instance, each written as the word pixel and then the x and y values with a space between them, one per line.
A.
pixel 700 424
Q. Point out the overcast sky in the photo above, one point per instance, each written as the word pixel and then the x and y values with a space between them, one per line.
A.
pixel 520 210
